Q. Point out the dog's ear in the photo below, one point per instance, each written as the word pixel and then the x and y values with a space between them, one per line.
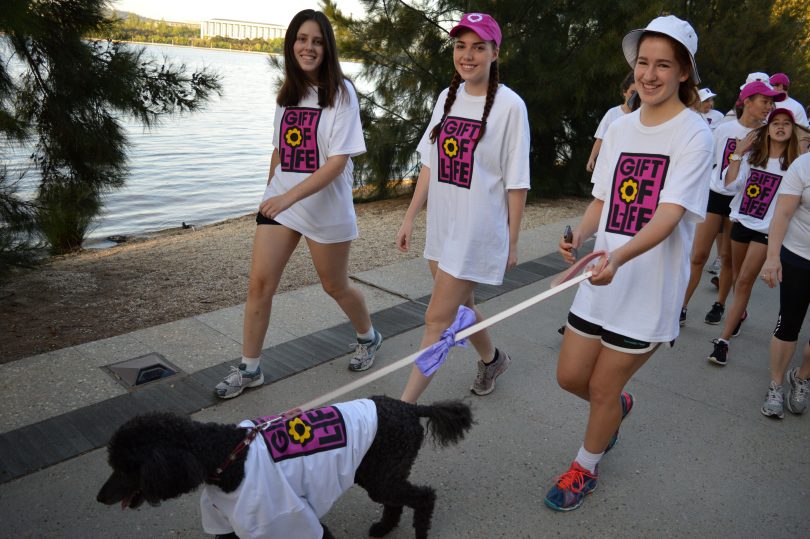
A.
pixel 170 472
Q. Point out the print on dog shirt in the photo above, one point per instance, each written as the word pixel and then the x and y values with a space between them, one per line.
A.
pixel 759 192
pixel 322 429
pixel 731 145
pixel 637 184
pixel 456 145
pixel 298 143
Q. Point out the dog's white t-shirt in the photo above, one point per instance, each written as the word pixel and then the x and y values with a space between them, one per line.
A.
pixel 294 472
pixel 305 136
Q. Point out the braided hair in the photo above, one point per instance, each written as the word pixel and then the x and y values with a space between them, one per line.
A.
pixel 455 82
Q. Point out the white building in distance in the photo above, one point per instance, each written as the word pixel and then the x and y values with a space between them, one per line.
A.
pixel 240 29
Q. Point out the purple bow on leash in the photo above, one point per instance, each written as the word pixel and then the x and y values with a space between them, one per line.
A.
pixel 432 358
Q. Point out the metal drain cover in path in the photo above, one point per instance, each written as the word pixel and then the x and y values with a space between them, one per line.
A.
pixel 141 370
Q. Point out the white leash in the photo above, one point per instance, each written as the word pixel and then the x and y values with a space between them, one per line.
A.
pixel 463 334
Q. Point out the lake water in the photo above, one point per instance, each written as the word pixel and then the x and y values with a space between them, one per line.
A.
pixel 197 168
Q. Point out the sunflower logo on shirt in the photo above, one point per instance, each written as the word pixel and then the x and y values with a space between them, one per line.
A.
pixel 298 145
pixel 300 431
pixel 457 141
pixel 637 184
pixel 760 191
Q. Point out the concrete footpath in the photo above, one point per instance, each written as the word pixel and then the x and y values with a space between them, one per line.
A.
pixel 695 458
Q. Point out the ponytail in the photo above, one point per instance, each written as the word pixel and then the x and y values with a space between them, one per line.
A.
pixel 492 88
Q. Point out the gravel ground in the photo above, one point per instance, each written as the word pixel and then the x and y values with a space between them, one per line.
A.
pixel 95 294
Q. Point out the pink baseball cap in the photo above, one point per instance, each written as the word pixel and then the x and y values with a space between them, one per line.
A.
pixel 480 23
pixel 759 87
pixel 788 112
pixel 780 78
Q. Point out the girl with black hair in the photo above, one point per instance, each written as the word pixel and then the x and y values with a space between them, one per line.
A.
pixel 474 178
pixel 317 131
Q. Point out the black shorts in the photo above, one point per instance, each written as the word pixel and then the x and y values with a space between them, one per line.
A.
pixel 609 339
pixel 742 234
pixel 719 204
pixel 262 220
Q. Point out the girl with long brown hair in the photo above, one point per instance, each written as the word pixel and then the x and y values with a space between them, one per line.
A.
pixel 316 132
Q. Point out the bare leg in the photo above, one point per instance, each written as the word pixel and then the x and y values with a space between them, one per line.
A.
pixel 448 294
pixel 726 274
pixel 705 234
pixel 750 257
pixel 575 365
pixel 804 370
pixel 331 261
pixel 272 247
pixel 612 371
pixel 781 354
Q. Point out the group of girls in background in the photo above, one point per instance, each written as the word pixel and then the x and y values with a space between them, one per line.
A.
pixel 652 165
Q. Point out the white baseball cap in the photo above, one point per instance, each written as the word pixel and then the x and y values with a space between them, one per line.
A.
pixel 678 29
pixel 705 93
pixel 758 76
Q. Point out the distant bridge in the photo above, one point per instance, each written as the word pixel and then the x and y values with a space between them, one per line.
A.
pixel 240 29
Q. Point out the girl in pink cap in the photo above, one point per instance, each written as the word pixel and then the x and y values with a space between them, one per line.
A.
pixel 650 188
pixel 755 171
pixel 474 178
pixel 753 105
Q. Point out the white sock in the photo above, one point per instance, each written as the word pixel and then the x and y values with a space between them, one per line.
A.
pixel 588 460
pixel 251 363
pixel 720 339
pixel 367 336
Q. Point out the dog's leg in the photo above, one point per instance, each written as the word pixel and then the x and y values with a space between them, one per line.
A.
pixel 389 521
pixel 423 499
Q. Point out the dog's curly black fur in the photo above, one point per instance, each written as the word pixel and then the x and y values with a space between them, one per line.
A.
pixel 160 456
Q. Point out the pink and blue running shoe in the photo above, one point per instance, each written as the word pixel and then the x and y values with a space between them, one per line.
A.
pixel 571 488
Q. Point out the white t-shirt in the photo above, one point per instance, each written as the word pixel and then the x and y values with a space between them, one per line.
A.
pixel 713 118
pixel 757 189
pixel 294 472
pixel 305 136
pixel 639 168
pixel 796 108
pixel 609 117
pixel 797 182
pixel 467 210
pixel 725 142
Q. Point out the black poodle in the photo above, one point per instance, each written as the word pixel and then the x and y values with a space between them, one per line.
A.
pixel 160 456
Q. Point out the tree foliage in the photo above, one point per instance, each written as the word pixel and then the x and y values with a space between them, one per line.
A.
pixel 562 56
pixel 68 104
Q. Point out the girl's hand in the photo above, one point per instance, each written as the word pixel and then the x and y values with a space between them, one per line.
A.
pixel 274 205
pixel 744 144
pixel 511 261
pixel 772 272
pixel 591 165
pixel 404 236
pixel 603 271
pixel 568 250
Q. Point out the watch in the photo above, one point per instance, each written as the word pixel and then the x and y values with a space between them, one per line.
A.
pixel 734 157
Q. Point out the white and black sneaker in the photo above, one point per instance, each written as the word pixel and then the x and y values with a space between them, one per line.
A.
pixel 364 352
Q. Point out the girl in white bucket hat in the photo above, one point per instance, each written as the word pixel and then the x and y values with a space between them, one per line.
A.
pixel 650 188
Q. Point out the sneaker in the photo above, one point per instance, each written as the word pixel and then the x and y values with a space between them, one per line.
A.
pixel 571 488
pixel 364 353
pixel 797 390
pixel 719 355
pixel 739 324
pixel 682 319
pixel 237 380
pixel 714 316
pixel 774 402
pixel 714 269
pixel 484 383
pixel 627 401
pixel 715 281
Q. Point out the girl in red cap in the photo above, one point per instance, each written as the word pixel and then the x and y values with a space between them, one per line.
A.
pixel 474 178
pixel 650 188
pixel 753 105
pixel 755 171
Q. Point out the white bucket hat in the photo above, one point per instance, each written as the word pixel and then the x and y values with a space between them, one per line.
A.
pixel 679 30
pixel 705 93
pixel 757 76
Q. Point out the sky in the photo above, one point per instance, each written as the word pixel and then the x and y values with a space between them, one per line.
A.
pixel 266 11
